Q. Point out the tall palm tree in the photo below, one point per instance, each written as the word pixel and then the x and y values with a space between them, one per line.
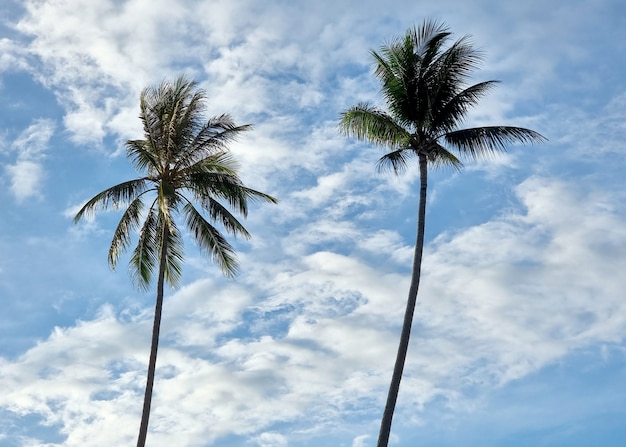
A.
pixel 424 86
pixel 185 161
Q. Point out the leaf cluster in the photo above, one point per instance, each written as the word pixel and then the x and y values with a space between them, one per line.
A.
pixel 424 81
pixel 188 172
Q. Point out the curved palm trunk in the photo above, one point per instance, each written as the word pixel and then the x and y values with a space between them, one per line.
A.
pixel 156 328
pixel 392 397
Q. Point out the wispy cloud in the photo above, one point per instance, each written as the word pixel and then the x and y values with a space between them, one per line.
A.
pixel 26 173
pixel 500 300
pixel 301 346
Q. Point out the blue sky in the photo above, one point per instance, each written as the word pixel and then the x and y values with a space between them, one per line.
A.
pixel 519 334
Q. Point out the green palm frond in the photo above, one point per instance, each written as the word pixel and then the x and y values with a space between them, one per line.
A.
pixel 142 157
pixel 174 253
pixel 170 114
pixel 428 39
pixel 152 128
pixel 440 157
pixel 219 186
pixel 366 122
pixel 212 138
pixel 226 187
pixel 219 213
pixel 210 240
pixel 454 109
pixel 190 121
pixel 256 196
pixel 145 256
pixel 113 197
pixel 221 162
pixel 457 63
pixel 397 67
pixel 122 236
pixel 483 141
pixel 405 69
pixel 395 160
pixel 182 116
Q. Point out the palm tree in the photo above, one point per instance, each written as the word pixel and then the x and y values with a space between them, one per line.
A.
pixel 424 87
pixel 185 161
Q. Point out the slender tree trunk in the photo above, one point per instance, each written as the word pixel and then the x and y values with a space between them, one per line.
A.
pixel 156 328
pixel 392 397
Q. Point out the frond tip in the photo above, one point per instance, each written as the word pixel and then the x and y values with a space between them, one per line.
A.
pixel 481 141
pixel 368 123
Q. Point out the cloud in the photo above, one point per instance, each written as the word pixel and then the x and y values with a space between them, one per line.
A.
pixel 269 439
pixel 26 173
pixel 312 344
pixel 12 56
pixel 526 289
pixel 25 177
pixel 308 334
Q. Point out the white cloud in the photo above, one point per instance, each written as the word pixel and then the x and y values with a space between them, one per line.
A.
pixel 360 441
pixel 33 141
pixel 26 173
pixel 308 334
pixel 527 289
pixel 25 177
pixel 269 439
pixel 12 56
pixel 498 301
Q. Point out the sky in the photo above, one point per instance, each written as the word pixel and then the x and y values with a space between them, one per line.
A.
pixel 519 336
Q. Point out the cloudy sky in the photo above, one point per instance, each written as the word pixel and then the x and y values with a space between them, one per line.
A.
pixel 519 335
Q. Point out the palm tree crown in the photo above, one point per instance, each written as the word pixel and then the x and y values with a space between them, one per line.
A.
pixel 424 85
pixel 185 161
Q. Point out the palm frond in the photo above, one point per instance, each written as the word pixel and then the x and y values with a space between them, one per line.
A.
pixel 174 253
pixel 219 213
pixel 113 197
pixel 171 116
pixel 141 156
pixel 366 122
pixel 221 162
pixel 151 119
pixel 128 223
pixel 395 161
pixel 206 185
pixel 146 255
pixel 396 69
pixel 440 157
pixel 210 240
pixel 457 62
pixel 453 110
pixel 183 106
pixel 212 138
pixel 482 141
pixel 428 39
pixel 257 196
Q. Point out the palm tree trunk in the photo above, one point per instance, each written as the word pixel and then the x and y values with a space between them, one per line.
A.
pixel 156 328
pixel 392 397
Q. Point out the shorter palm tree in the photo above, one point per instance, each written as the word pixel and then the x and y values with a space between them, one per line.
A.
pixel 424 86
pixel 186 163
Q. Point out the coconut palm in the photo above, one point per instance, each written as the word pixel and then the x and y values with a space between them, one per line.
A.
pixel 424 84
pixel 188 174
